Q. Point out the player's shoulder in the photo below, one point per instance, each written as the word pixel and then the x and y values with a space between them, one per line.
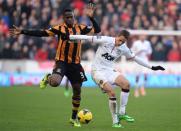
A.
pixel 61 25
pixel 82 26
pixel 137 42
pixel 123 47
pixel 147 41
pixel 57 26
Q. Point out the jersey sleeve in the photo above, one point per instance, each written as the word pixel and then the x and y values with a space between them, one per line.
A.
pixel 86 29
pixel 94 39
pixel 103 39
pixel 126 51
pixel 53 31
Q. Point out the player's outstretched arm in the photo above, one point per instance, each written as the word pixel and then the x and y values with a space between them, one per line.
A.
pixel 145 64
pixel 93 39
pixel 90 13
pixel 15 31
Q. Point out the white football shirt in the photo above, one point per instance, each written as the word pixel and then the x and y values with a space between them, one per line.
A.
pixel 107 53
pixel 142 49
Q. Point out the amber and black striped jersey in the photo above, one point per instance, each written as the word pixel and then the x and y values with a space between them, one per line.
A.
pixel 69 51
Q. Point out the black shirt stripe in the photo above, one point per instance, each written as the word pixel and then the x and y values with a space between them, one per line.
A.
pixel 59 37
pixel 66 46
pixel 55 31
pixel 75 47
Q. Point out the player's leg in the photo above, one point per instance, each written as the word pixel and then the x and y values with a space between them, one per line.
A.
pixel 100 78
pixel 123 83
pixel 112 104
pixel 136 90
pixel 66 92
pixel 76 76
pixel 76 99
pixel 55 78
pixel 142 88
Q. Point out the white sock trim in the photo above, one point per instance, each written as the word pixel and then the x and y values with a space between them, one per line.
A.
pixel 113 109
pixel 123 102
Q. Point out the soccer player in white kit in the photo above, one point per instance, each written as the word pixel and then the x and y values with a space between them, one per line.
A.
pixel 105 76
pixel 141 48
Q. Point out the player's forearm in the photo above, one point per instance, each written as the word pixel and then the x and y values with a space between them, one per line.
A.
pixel 38 33
pixel 142 62
pixel 93 39
pixel 145 64
pixel 96 26
pixel 81 37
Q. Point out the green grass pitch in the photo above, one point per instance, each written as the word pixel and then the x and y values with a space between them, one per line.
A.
pixel 32 109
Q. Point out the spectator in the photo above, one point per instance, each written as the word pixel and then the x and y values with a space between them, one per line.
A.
pixel 174 54
pixel 159 51
pixel 41 54
pixel 7 52
pixel 111 14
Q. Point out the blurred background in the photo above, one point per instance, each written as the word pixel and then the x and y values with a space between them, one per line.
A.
pixel 24 60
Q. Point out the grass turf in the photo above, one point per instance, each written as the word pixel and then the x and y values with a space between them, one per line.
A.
pixel 32 109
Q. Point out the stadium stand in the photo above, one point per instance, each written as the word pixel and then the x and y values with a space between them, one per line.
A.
pixel 113 15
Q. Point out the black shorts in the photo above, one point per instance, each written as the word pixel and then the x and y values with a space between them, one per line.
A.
pixel 74 72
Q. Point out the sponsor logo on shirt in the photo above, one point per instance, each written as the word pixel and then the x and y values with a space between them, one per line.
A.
pixel 108 57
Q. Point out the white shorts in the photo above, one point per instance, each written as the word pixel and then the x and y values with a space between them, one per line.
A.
pixel 105 75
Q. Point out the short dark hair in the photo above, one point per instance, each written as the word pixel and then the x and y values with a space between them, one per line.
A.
pixel 67 10
pixel 125 33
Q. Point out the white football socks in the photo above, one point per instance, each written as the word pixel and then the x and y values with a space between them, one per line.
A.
pixel 123 102
pixel 113 109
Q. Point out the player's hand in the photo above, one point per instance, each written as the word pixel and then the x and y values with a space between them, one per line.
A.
pixel 157 68
pixel 90 8
pixel 15 31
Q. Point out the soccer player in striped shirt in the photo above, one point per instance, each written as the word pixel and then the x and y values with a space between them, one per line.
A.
pixel 67 59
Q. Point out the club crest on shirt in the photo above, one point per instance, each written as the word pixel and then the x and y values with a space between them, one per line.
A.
pixel 58 70
pixel 101 82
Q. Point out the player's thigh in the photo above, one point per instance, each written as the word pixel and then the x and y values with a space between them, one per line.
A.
pixel 102 81
pixel 58 73
pixel 106 75
pixel 76 75
pixel 99 77
pixel 122 82
pixel 107 87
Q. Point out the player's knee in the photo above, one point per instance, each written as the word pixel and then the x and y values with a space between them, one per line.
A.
pixel 55 80
pixel 54 83
pixel 111 94
pixel 76 89
pixel 126 85
pixel 76 93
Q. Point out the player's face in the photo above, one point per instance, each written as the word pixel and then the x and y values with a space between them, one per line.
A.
pixel 120 40
pixel 69 18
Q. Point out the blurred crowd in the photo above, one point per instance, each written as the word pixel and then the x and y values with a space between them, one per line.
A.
pixel 112 15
